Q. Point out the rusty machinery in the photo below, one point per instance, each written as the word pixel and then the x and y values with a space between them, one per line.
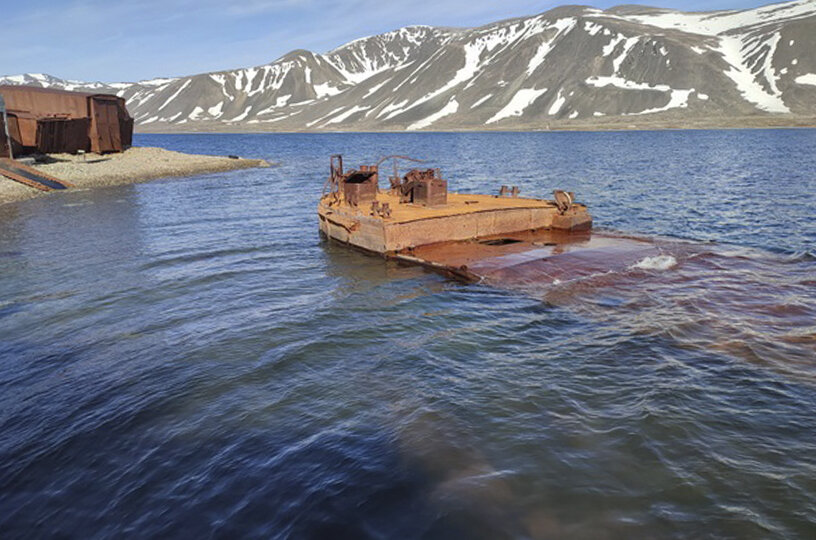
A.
pixel 505 191
pixel 358 187
pixel 563 200
pixel 425 187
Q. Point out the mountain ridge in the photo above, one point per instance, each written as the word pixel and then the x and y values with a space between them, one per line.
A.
pixel 571 65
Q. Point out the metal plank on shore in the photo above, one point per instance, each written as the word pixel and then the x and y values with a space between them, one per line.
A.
pixel 29 176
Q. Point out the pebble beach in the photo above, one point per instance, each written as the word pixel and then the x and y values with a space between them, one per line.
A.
pixel 137 164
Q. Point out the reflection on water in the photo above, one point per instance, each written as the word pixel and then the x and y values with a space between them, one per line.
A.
pixel 188 358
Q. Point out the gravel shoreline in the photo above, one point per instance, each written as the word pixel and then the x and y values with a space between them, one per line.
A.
pixel 137 164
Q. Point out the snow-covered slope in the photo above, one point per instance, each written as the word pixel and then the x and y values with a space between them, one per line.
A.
pixel 568 64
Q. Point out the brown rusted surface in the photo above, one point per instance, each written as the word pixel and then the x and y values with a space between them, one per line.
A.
pixel 458 204
pixel 13 126
pixel 110 127
pixel 125 128
pixel 563 200
pixel 574 220
pixel 105 132
pixel 423 187
pixel 5 143
pixel 531 256
pixel 417 211
pixel 57 135
pixel 360 187
pixel 24 133
pixel 45 101
pixel 462 218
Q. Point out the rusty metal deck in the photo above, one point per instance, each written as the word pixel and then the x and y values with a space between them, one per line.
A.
pixel 457 204
pixel 531 256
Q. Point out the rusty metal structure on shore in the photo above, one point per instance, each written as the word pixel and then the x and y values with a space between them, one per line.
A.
pixel 417 220
pixel 44 120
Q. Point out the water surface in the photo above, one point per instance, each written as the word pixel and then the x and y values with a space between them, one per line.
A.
pixel 188 358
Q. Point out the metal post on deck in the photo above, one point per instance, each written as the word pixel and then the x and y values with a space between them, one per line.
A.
pixel 5 127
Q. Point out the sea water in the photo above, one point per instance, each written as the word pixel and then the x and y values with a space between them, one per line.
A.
pixel 188 358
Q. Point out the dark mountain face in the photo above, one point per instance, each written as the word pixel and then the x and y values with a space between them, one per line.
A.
pixel 569 65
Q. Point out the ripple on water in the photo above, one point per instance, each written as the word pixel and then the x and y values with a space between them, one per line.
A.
pixel 187 358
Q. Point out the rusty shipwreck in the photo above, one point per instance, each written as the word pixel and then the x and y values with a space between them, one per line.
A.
pixel 417 220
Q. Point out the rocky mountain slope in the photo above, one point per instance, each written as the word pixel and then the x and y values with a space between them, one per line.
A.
pixel 570 65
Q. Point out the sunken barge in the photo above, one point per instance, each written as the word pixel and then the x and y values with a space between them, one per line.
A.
pixel 418 221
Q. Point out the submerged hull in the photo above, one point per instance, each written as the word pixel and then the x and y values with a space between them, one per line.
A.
pixel 532 257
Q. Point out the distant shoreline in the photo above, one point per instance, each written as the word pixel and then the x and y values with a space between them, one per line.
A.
pixel 135 165
pixel 613 124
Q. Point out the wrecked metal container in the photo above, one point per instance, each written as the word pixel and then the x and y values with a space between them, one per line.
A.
pixel 105 130
pixel 110 127
pixel 13 126
pixel 58 135
pixel 360 186
pixel 23 130
pixel 429 189
pixel 126 129
pixel 42 102
pixel 5 143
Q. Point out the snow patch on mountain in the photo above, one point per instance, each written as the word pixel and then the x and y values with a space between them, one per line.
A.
pixel 562 27
pixel 520 101
pixel 742 74
pixel 175 95
pixel 342 116
pixel 447 110
pixel 481 100
pixel 725 21
pixel 557 104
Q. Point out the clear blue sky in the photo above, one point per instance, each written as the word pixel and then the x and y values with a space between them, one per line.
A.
pixel 110 41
